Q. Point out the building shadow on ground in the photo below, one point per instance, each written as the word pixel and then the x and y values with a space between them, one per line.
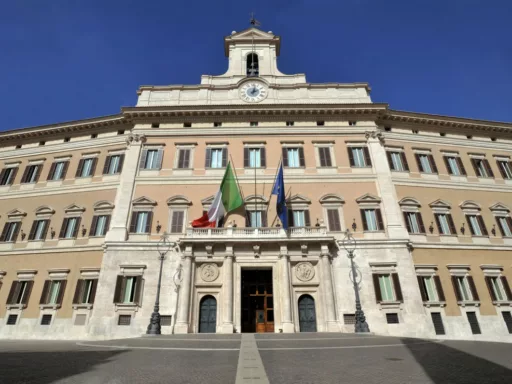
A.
pixel 444 364
pixel 48 367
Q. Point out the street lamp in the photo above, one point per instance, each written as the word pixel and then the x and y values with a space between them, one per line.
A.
pixel 163 247
pixel 349 243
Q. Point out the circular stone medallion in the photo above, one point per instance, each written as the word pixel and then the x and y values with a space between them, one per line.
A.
pixel 209 272
pixel 304 271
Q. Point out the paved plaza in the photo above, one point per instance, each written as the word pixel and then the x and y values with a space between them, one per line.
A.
pixel 260 358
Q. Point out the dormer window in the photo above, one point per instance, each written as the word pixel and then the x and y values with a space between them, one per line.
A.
pixel 252 64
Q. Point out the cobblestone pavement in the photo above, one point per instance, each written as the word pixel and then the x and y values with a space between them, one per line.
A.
pixel 268 358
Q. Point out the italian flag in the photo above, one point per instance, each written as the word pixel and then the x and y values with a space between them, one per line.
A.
pixel 227 199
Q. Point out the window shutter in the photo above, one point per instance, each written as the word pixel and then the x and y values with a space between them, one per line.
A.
pixel 420 222
pixel 13 292
pixel 38 170
pixel 351 157
pixel 107 165
pixel 263 157
pixel 363 219
pixel 321 155
pixel 64 170
pixel 246 157
pixel 407 224
pixel 458 296
pixel 16 231
pixel 307 218
pixel 432 163
pixel 28 291
pixel 482 225
pixel 380 222
pixel 94 224
pixel 77 227
pixel 285 156
pixel 177 222
pixel 133 222
pixel 390 161
pixel 107 224
pixel 470 226
pixel 487 166
pixel 290 218
pixel 509 222
pixel 502 171
pixel 143 158
pixel 333 219
pixel 438 224
pixel 447 164
pixel 439 288
pixel 499 226
pixel 398 289
pixel 139 288
pixel 186 158
pixel 62 290
pixel 121 162
pixel 423 292
pixel 52 171
pixel 93 166
pixel 208 160
pixel 461 166
pixel 79 168
pixel 473 288
pixel 181 158
pixel 4 232
pixel 376 286
pixel 119 288
pixel 149 222
pixel 2 176
pixel 404 161
pixel 302 160
pixel 506 287
pixel 247 219
pixel 13 176
pixel 159 158
pixel 224 157
pixel 453 230
pixel 488 282
pixel 63 228
pixel 25 174
pixel 418 161
pixel 32 232
pixel 92 296
pixel 367 158
pixel 264 220
pixel 78 291
pixel 475 167
pixel 44 294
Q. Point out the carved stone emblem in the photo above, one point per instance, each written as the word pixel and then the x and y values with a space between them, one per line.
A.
pixel 209 272
pixel 304 271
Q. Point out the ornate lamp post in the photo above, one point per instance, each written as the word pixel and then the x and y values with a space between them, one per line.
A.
pixel 349 243
pixel 163 247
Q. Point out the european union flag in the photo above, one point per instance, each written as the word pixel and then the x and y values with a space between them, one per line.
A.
pixel 278 190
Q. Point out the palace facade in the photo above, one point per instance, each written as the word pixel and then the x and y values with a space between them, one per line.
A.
pixel 83 205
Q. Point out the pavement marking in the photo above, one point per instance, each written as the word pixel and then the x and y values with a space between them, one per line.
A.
pixel 250 369
pixel 170 339
pixel 324 338
pixel 157 348
pixel 350 346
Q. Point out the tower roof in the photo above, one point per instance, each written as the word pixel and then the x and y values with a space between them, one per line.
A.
pixel 250 35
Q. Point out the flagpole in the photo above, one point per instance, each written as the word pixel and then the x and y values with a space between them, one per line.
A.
pixel 239 188
pixel 274 183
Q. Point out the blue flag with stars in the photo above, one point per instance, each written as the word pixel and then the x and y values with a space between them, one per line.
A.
pixel 278 190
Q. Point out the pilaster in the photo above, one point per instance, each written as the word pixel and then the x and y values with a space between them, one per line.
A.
pixel 227 268
pixel 328 292
pixel 287 323
pixel 182 325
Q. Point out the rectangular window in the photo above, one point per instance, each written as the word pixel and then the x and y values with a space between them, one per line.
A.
pixel 414 222
pixel 359 157
pixel 462 289
pixel 128 289
pixel 473 323
pixel 216 157
pixel 445 224
pixel 184 158
pixel 426 163
pixel 141 222
pixel 100 225
pixel 482 167
pixel 46 319
pixel 290 123
pixel 124 320
pixel 507 317
pixel 476 225
pixel 505 167
pixel 8 175
pixel 454 165
pixel 298 218
pixel 324 153
pixel 20 292
pixel 70 227
pixel 372 220
pixel 177 221
pixel 293 157
pixel 113 164
pixel 58 170
pixel 38 230
pixel 333 220
pixel 386 288
pixel 498 288
pixel 430 288
pixel 10 232
pixel 254 157
pixel 53 292
pixel 255 219
pixel 85 291
pixel 397 161
pixel 392 318
pixel 437 321
pixel 31 174
pixel 151 159
pixel 12 319
pixel 86 167
pixel 505 225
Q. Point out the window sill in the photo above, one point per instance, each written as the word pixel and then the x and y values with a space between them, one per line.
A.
pixel 16 306
pixel 390 305
pixel 430 304
pixel 505 303
pixel 127 307
pixel 468 303
pixel 82 306
pixel 49 306
pixel 149 172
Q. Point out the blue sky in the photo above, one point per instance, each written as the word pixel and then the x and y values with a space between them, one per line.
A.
pixel 66 60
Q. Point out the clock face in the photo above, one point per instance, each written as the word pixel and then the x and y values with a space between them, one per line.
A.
pixel 253 92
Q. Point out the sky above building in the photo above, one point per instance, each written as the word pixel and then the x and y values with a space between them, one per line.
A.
pixel 67 60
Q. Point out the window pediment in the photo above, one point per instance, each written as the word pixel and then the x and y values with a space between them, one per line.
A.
pixel 368 198
pixel 143 201
pixel 44 210
pixel 440 204
pixel 499 208
pixel 178 200
pixel 469 205
pixel 256 199
pixel 298 199
pixel 332 198
pixel 16 213
pixel 208 200
pixel 409 202
pixel 73 208
pixel 103 206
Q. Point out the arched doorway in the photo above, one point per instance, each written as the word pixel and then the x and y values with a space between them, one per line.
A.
pixel 207 315
pixel 307 314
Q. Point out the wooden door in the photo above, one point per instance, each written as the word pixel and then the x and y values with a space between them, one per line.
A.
pixel 208 315
pixel 307 314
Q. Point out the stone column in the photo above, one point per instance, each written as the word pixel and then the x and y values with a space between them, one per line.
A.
pixel 227 268
pixel 287 323
pixel 390 208
pixel 118 227
pixel 184 298
pixel 328 292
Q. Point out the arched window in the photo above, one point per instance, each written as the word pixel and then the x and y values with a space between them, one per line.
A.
pixel 252 64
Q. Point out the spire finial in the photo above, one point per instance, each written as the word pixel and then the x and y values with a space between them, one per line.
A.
pixel 253 21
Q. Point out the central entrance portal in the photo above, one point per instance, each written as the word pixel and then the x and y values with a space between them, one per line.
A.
pixel 257 301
